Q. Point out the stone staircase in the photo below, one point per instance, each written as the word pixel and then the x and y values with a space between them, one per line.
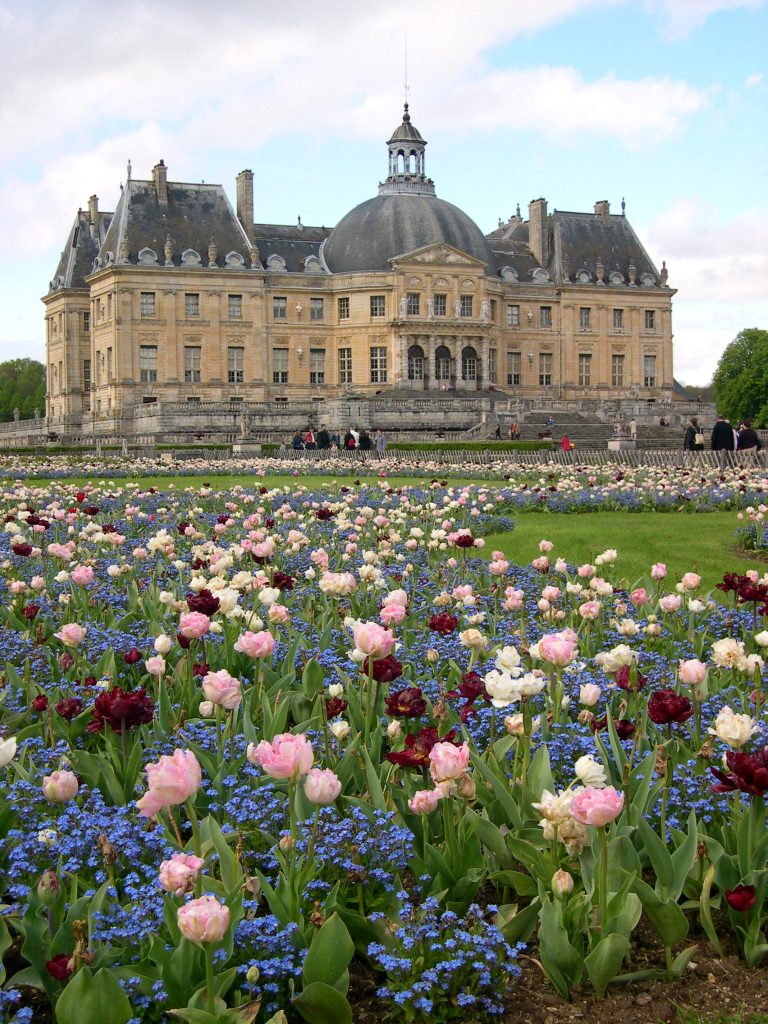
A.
pixel 592 435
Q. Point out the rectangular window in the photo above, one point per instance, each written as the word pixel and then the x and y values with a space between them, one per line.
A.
pixel 235 357
pixel 110 366
pixel 317 366
pixel 584 318
pixel 345 366
pixel 279 307
pixel 585 370
pixel 465 305
pixel 618 319
pixel 148 364
pixel 493 311
pixel 617 371
pixel 649 371
pixel 191 304
pixel 235 307
pixel 545 369
pixel 193 401
pixel 378 364
pixel 650 319
pixel 86 375
pixel 316 309
pixel 514 362
pixel 109 306
pixel 279 365
pixel 191 364
pixel 378 306
pixel 86 323
pixel 147 304
pixel 440 304
pixel 148 399
pixel 513 316
pixel 491 365
pixel 545 316
pixel 344 308
pixel 412 304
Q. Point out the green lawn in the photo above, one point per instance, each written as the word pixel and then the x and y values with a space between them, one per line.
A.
pixel 701 542
pixel 227 480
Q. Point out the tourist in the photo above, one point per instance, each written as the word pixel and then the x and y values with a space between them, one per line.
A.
pixel 722 439
pixel 497 432
pixel 694 439
pixel 366 442
pixel 381 443
pixel 323 438
pixel 748 439
pixel 514 431
pixel 297 442
pixel 350 441
pixel 567 446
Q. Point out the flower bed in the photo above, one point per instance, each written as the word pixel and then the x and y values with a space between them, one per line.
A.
pixel 255 739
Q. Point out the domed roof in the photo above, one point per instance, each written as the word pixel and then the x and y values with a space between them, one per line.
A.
pixel 388 225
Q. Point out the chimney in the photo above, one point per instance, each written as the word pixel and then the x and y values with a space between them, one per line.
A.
pixel 93 215
pixel 245 201
pixel 160 178
pixel 538 231
pixel 603 210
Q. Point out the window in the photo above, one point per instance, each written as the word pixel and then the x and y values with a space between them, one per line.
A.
pixel 649 371
pixel 86 322
pixel 412 304
pixel 440 304
pixel 650 319
pixel 465 305
pixel 344 308
pixel 279 365
pixel 618 319
pixel 191 304
pixel 235 356
pixel 442 363
pixel 378 364
pixel 513 316
pixel 545 316
pixel 468 363
pixel 585 370
pixel 86 375
pixel 191 364
pixel 545 369
pixel 316 309
pixel 148 400
pixel 415 363
pixel 235 307
pixel 617 371
pixel 514 362
pixel 345 366
pixel 148 364
pixel 193 401
pixel 147 304
pixel 493 311
pixel 584 318
pixel 109 306
pixel 279 307
pixel 317 366
pixel 110 366
pixel 491 365
pixel 378 306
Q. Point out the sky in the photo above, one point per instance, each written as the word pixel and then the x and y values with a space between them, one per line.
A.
pixel 663 103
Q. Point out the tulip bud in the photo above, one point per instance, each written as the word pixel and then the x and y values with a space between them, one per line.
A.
pixel 287 843
pixel 466 787
pixel 393 730
pixel 206 709
pixel 48 887
pixel 252 974
pixel 562 883
pixel 432 656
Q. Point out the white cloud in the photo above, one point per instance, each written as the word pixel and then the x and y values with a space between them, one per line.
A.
pixel 681 17
pixel 752 80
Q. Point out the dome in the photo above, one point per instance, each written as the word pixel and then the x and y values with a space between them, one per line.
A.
pixel 388 225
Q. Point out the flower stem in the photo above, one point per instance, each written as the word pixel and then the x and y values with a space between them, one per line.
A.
pixel 603 895
pixel 210 994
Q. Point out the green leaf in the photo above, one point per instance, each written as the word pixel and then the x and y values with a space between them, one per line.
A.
pixel 319 1003
pixel 312 678
pixel 705 910
pixel 229 869
pixel 93 997
pixel 490 836
pixel 539 775
pixel 605 960
pixel 374 783
pixel 329 954
pixel 5 942
pixel 659 856
pixel 681 961
pixel 562 962
pixel 684 856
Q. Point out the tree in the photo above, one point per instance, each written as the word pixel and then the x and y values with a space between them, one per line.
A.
pixel 741 378
pixel 22 387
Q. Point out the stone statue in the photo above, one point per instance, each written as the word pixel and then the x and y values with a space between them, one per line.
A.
pixel 168 249
pixel 664 274
pixel 403 305
pixel 457 308
pixel 485 310
pixel 431 308
pixel 213 251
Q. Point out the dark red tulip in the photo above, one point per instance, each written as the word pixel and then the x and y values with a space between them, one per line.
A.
pixel 324 514
pixel 746 772
pixel 282 580
pixel 742 898
pixel 122 710
pixel 406 703
pixel 59 968
pixel 418 746
pixel 204 602
pixel 383 670
pixel 666 706
pixel 335 706
pixel 69 707
pixel 464 540
pixel 443 622
pixel 30 611
pixel 22 550
pixel 133 656
pixel 40 703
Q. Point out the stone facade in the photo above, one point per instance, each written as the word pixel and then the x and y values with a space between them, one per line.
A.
pixel 177 299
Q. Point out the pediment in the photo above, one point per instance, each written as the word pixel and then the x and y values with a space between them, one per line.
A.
pixel 439 253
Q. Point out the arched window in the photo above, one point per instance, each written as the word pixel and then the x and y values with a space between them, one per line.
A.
pixel 468 363
pixel 442 363
pixel 415 363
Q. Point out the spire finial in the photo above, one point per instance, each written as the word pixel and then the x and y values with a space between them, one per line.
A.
pixel 405 81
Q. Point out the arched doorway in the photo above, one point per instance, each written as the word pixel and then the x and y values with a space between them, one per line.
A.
pixel 416 363
pixel 469 365
pixel 443 364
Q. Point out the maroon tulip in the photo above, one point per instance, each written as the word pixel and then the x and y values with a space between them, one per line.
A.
pixel 746 772
pixel 282 580
pixel 624 728
pixel 183 642
pixel 464 540
pixel 201 668
pixel 66 661
pixel 666 706
pixel 121 710
pixel 69 707
pixel 80 497
pixel 324 514
pixel 30 611
pixel 383 670
pixel 406 703
pixel 443 622
pixel 204 602
pixel 91 510
pixel 40 703
pixel 625 680
pixel 742 898
pixel 132 656
pixel 23 550
pixel 472 686
pixel 59 968
pixel 182 528
pixel 418 746
pixel 335 706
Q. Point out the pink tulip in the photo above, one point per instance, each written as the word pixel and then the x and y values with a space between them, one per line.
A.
pixel 498 567
pixel 691 580
pixel 557 649
pixel 322 786
pixel 396 597
pixel 193 625
pixel 155 666
pixel 179 874
pixel 545 546
pixel 256 645
pixel 585 571
pixel 60 786
pixel 448 762
pixel 670 602
pixel 203 920
pixel 278 614
pixel 424 801
pixel 589 694
pixel 71 634
pixel 286 757
pixel 658 571
pixel 590 610
pixel 82 575
pixel 392 614
pixel 171 780
pixel 692 672
pixel 593 806
pixel 639 597
pixel 223 689
pixel 373 640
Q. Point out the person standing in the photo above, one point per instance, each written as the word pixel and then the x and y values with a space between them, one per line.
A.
pixel 694 439
pixel 381 443
pixel 748 440
pixel 323 438
pixel 722 439
pixel 567 446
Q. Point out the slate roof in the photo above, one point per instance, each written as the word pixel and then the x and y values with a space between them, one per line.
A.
pixel 292 242
pixel 585 239
pixel 406 132
pixel 81 249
